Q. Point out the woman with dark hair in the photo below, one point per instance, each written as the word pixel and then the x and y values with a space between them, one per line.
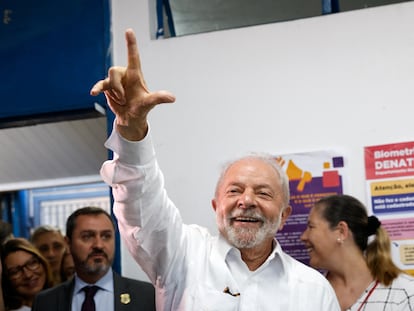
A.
pixel 25 273
pixel 360 270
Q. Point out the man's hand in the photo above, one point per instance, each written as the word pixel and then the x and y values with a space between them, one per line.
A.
pixel 128 96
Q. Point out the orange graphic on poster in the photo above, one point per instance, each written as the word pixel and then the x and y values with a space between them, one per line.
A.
pixel 295 173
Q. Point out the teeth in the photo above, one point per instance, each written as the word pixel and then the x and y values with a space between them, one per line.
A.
pixel 246 219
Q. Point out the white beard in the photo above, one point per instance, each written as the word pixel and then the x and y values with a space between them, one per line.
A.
pixel 250 238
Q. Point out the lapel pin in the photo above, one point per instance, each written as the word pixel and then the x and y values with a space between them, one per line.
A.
pixel 125 299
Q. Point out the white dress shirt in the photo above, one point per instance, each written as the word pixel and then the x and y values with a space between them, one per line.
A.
pixel 191 268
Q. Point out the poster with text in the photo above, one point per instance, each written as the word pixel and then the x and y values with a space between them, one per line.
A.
pixel 390 177
pixel 389 173
pixel 401 232
pixel 312 175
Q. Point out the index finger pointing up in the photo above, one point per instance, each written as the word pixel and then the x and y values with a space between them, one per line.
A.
pixel 133 56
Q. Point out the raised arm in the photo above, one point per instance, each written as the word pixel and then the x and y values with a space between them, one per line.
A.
pixel 128 96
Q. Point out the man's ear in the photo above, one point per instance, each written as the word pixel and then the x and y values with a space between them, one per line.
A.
pixel 285 215
pixel 214 204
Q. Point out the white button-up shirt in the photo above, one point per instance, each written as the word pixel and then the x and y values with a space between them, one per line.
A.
pixel 190 268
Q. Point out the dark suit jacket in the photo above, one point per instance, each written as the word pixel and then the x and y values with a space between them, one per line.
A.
pixel 59 298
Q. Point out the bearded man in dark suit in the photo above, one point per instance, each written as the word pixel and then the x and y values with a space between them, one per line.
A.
pixel 90 233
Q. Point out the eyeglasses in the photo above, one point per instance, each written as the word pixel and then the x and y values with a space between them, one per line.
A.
pixel 17 272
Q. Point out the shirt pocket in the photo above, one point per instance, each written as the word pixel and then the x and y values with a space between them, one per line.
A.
pixel 206 298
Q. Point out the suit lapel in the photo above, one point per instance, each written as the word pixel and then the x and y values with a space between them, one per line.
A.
pixel 119 292
pixel 65 301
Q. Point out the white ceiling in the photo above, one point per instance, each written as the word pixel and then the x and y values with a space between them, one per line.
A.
pixel 52 154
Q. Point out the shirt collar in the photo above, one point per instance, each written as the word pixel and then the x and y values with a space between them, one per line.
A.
pixel 225 249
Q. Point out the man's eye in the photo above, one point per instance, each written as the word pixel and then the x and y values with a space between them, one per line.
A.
pixel 86 236
pixel 107 236
pixel 265 195
pixel 234 190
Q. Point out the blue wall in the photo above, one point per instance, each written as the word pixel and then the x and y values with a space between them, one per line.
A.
pixel 51 53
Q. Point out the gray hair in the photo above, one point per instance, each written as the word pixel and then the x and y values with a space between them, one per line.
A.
pixel 266 158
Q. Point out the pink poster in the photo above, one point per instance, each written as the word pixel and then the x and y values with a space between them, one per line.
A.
pixel 389 171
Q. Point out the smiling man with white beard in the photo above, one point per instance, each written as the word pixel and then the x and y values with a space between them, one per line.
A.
pixel 244 268
pixel 245 201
